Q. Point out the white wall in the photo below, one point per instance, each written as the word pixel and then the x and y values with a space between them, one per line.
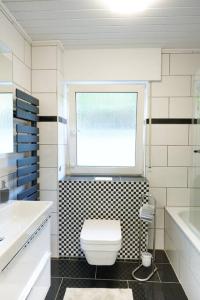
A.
pixel 21 58
pixel 47 86
pixel 113 64
pixel 171 151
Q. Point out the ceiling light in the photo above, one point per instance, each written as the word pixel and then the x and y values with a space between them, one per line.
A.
pixel 128 6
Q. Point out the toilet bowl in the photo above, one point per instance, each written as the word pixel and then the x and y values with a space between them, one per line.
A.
pixel 101 241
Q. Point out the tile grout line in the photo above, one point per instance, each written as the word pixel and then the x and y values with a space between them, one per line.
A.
pixel 130 262
pixel 95 276
pixel 59 288
pixel 158 276
pixel 171 282
pixel 111 279
pixel 92 278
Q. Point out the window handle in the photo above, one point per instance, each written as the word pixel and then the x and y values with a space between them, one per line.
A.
pixel 197 151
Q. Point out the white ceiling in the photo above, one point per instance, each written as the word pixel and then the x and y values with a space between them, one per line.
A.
pixel 89 24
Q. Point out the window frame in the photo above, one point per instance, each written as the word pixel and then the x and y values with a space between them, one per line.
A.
pixel 72 137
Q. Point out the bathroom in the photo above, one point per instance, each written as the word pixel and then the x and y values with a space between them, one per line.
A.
pixel 99 126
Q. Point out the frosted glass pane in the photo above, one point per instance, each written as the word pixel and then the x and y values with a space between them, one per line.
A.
pixel 6 122
pixel 106 129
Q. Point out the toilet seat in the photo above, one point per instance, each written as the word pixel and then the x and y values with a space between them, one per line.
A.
pixel 101 232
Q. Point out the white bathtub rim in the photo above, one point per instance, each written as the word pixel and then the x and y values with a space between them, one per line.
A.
pixel 190 235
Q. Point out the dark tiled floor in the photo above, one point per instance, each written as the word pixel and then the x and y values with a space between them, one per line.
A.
pixel 72 269
pixel 77 273
pixel 122 271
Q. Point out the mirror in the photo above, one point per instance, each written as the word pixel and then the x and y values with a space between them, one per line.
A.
pixel 6 100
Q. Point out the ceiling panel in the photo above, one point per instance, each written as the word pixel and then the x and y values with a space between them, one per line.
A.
pixel 88 23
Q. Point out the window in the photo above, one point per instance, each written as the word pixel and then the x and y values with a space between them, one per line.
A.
pixel 106 129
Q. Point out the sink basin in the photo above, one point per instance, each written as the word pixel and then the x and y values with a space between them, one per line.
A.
pixel 18 221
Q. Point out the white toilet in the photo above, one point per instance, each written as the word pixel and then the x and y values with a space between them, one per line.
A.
pixel 101 241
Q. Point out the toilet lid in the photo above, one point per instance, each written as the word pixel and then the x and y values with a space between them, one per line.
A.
pixel 101 232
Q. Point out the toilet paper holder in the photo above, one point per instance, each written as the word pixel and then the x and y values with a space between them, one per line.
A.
pixel 147 214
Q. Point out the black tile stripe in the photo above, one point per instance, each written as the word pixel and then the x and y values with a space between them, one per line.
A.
pixel 47 118
pixel 52 119
pixel 173 121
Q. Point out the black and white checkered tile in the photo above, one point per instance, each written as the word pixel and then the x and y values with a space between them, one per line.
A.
pixel 119 200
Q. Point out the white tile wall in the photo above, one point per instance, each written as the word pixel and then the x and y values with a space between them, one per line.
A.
pixel 60 84
pixel 172 182
pixel 48 156
pixel 11 37
pixel 44 57
pixel 60 60
pixel 165 64
pixel 168 134
pixel 195 85
pixel 28 55
pixel 160 107
pixel 160 195
pixel 44 81
pixel 50 196
pixel 178 196
pixel 184 64
pixel 48 179
pixel 194 196
pixel 21 74
pixel 159 219
pixel 167 176
pixel 48 133
pixel 54 245
pixel 48 103
pixel 179 156
pixel 6 67
pixel 54 224
pixel 47 85
pixel 158 156
pixel 62 151
pixel 181 107
pixel 194 133
pixel 193 177
pixel 172 86
pixel 62 134
pixel 159 238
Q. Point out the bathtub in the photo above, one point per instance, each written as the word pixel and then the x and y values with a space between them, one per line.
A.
pixel 182 245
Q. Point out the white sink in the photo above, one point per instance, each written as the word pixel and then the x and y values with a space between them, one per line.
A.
pixel 18 221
